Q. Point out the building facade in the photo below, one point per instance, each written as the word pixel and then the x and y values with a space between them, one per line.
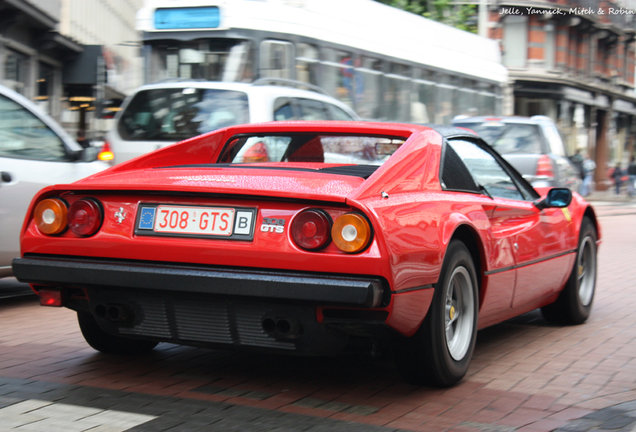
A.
pixel 76 58
pixel 110 66
pixel 573 60
pixel 33 53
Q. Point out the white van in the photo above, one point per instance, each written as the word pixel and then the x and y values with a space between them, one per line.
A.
pixel 34 152
pixel 160 114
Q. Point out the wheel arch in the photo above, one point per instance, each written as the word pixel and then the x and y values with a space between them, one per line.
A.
pixel 469 236
pixel 591 214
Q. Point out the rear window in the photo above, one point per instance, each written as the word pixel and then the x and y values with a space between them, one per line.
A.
pixel 303 148
pixel 176 114
pixel 508 138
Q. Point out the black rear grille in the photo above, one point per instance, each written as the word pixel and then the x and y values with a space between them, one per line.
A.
pixel 181 319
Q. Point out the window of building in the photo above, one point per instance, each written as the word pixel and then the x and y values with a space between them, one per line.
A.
pixel 515 41
pixel 46 83
pixel 16 71
pixel 550 46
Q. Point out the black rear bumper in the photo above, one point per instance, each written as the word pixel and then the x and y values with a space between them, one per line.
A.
pixel 140 275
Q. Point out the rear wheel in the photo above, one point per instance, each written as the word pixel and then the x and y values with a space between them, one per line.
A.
pixel 439 353
pixel 574 304
pixel 107 343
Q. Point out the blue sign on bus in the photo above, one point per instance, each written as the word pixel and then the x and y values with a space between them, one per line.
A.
pixel 187 18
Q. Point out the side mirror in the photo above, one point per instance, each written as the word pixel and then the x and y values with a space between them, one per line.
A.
pixel 89 154
pixel 556 198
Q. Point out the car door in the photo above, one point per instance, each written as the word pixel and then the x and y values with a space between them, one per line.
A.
pixel 537 239
pixel 34 153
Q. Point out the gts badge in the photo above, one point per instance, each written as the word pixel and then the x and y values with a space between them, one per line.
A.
pixel 273 225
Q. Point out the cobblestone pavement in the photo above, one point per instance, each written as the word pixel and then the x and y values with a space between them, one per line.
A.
pixel 526 375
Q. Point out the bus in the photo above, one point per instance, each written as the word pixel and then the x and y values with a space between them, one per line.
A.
pixel 385 63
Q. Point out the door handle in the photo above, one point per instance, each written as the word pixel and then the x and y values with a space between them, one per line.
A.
pixel 6 177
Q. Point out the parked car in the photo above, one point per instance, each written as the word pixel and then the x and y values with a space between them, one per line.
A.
pixel 410 234
pixel 160 114
pixel 533 145
pixel 34 152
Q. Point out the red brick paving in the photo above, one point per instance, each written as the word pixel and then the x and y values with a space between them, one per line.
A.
pixel 525 374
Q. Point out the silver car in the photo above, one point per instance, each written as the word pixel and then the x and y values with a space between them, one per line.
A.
pixel 34 152
pixel 157 115
pixel 533 145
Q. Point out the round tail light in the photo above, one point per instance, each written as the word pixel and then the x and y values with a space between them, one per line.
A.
pixel 311 229
pixel 85 217
pixel 50 216
pixel 351 232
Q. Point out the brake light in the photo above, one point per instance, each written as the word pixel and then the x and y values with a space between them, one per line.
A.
pixel 50 216
pixel 351 232
pixel 85 217
pixel 106 154
pixel 311 228
pixel 256 153
pixel 544 167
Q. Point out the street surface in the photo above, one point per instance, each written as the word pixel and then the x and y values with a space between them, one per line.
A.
pixel 526 375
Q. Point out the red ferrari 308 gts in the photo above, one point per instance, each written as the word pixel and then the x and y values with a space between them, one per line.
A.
pixel 301 237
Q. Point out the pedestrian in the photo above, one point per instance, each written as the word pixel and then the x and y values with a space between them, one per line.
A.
pixel 82 140
pixel 588 168
pixel 631 172
pixel 617 175
pixel 577 160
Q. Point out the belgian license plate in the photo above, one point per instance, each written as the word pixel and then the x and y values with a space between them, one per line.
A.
pixel 217 221
pixel 235 223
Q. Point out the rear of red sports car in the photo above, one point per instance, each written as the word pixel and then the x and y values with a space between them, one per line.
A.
pixel 201 244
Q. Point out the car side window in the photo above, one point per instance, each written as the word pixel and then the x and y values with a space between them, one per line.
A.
pixel 284 110
pixel 338 113
pixel 312 110
pixel 24 136
pixel 486 170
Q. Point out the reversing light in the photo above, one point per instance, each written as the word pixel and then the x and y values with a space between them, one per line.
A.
pixel 311 228
pixel 351 232
pixel 50 216
pixel 85 217
pixel 106 154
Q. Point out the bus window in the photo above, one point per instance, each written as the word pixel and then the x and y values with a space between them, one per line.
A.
pixel 338 79
pixel 423 98
pixel 397 93
pixel 212 59
pixel 307 63
pixel 276 59
pixel 368 84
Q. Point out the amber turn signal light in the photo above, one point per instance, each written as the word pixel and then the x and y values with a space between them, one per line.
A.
pixel 351 232
pixel 50 216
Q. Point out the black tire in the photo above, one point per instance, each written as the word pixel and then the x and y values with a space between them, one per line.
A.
pixel 107 343
pixel 435 356
pixel 574 304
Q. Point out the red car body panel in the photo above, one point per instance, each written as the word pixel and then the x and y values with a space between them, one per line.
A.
pixel 525 255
